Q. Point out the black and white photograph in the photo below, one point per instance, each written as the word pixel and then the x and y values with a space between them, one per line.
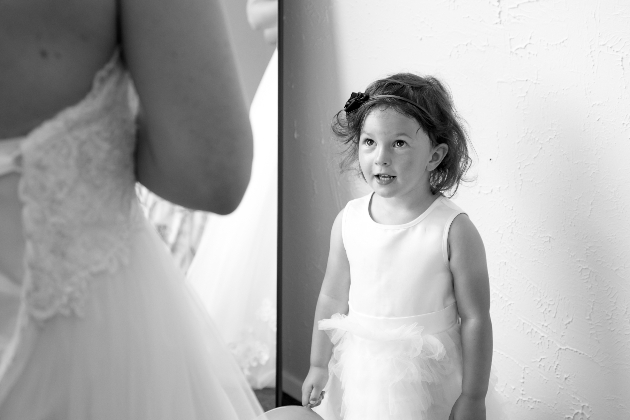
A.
pixel 314 210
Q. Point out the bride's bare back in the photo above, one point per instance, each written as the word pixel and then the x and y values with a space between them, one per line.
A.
pixel 50 52
pixel 194 143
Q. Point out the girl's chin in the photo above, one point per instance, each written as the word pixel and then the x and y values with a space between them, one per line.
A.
pixel 385 191
pixel 395 191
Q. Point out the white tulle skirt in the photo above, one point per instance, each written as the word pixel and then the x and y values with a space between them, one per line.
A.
pixel 143 350
pixel 407 368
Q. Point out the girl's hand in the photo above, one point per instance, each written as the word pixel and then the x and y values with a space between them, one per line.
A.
pixel 313 385
pixel 467 408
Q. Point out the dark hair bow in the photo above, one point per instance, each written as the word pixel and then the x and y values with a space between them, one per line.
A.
pixel 356 100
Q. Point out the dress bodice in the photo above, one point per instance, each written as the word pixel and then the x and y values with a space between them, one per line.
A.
pixel 77 192
pixel 399 270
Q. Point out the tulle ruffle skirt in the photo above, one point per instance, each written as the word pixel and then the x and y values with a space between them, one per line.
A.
pixel 407 368
pixel 144 349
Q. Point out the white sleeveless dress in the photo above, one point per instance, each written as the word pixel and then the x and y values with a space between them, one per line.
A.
pixel 397 354
pixel 101 324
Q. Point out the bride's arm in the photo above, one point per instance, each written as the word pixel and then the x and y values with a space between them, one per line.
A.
pixel 194 142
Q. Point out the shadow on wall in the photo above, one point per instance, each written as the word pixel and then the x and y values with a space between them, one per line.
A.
pixel 310 190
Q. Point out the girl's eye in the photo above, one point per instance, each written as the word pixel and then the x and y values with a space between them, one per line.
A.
pixel 368 142
pixel 399 143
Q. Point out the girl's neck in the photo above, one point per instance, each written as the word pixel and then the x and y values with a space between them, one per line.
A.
pixel 400 210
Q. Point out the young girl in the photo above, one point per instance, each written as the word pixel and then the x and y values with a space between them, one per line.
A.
pixel 405 299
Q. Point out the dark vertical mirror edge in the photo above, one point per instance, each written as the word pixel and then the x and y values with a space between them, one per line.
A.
pixel 279 392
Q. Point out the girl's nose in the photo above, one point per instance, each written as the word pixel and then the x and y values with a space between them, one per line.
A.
pixel 382 156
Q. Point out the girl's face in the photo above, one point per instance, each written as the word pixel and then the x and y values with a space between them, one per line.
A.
pixel 396 155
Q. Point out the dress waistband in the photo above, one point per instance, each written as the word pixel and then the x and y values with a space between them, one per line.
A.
pixel 9 152
pixel 433 322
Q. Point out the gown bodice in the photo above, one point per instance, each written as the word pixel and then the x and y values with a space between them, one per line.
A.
pixel 399 270
pixel 76 189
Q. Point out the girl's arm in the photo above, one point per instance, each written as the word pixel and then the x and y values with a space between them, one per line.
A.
pixel 194 141
pixel 472 291
pixel 333 298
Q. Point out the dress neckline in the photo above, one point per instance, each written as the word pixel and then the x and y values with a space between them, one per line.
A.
pixel 424 214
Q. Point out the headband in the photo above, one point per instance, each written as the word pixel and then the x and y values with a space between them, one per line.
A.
pixel 357 99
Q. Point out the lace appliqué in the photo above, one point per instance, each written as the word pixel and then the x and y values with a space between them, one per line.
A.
pixel 256 346
pixel 77 188
pixel 250 352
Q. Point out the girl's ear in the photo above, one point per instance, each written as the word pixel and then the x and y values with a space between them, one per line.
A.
pixel 437 155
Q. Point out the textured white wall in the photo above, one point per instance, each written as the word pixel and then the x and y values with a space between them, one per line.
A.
pixel 545 89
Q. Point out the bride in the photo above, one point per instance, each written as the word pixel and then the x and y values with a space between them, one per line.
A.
pixel 95 319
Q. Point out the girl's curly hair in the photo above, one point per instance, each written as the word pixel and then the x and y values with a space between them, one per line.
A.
pixel 435 114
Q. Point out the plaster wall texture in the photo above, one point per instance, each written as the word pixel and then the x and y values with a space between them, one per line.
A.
pixel 544 87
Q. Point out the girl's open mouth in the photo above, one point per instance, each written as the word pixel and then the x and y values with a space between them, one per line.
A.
pixel 384 179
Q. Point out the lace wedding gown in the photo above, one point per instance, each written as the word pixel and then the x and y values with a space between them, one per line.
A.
pixel 234 269
pixel 101 324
